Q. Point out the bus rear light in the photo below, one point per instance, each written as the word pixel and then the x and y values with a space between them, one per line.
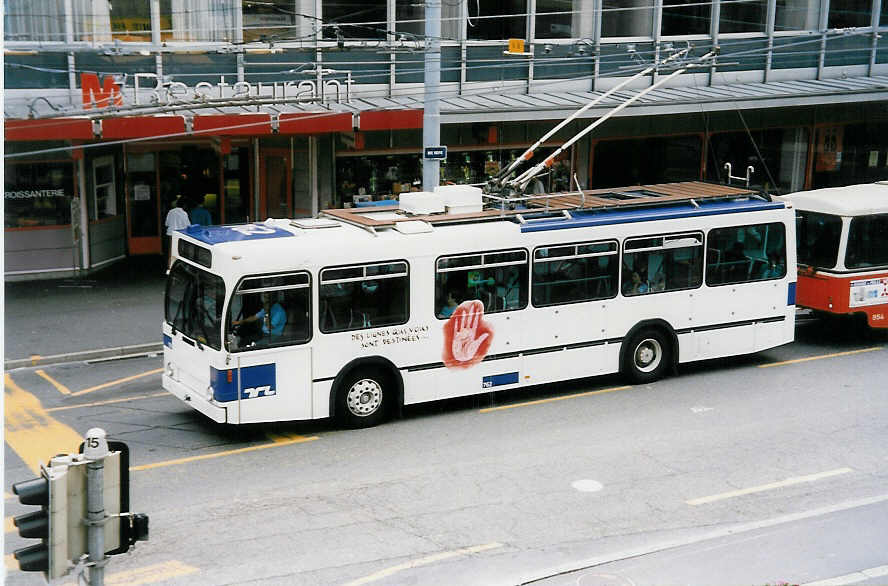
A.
pixel 228 375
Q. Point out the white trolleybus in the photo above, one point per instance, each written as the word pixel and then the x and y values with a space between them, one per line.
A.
pixel 359 311
pixel 843 250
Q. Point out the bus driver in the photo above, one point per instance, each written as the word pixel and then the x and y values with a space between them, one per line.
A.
pixel 263 323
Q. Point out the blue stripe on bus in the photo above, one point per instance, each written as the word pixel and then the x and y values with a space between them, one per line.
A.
pixel 220 234
pixel 497 380
pixel 255 381
pixel 791 296
pixel 582 219
pixel 167 341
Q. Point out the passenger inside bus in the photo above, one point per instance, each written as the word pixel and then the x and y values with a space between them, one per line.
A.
pixel 268 321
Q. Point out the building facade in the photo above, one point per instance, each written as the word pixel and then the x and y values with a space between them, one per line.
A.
pixel 286 107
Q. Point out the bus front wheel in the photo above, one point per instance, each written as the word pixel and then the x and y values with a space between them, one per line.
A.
pixel 363 398
pixel 647 356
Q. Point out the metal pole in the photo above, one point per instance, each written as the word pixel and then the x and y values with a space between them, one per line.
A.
pixel 431 116
pixel 95 449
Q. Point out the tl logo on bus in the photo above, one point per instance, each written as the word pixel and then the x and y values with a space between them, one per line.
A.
pixel 255 392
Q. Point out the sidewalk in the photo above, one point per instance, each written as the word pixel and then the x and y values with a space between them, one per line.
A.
pixel 112 312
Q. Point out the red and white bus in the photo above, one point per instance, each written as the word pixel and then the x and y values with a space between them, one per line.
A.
pixel 843 250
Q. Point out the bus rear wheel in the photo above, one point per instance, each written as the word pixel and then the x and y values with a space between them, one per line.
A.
pixel 647 356
pixel 363 398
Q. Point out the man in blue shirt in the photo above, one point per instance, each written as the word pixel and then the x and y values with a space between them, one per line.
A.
pixel 262 323
pixel 200 214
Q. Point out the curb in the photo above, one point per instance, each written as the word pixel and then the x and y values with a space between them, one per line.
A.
pixel 102 353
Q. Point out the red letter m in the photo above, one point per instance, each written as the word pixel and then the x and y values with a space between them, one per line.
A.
pixel 100 95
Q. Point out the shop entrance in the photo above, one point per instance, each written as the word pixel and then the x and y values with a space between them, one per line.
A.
pixel 143 221
pixel 275 184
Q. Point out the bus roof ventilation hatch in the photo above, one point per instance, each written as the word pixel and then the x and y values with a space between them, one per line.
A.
pixel 414 227
pixel 314 223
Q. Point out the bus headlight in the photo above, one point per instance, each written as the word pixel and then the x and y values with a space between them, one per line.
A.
pixel 171 372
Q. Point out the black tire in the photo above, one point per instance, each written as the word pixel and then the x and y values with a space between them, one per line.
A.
pixel 648 356
pixel 364 397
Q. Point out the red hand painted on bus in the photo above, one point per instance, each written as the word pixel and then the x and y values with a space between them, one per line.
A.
pixel 467 336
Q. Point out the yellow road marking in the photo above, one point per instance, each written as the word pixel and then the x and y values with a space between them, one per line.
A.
pixel 59 386
pixel 11 563
pixel 31 432
pixel 276 443
pixel 834 355
pixel 108 402
pixel 9 526
pixel 771 486
pixel 148 575
pixel 422 562
pixel 117 382
pixel 552 399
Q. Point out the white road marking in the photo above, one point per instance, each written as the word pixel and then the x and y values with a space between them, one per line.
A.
pixel 587 485
pixel 852 578
pixel 729 530
pixel 771 486
pixel 422 562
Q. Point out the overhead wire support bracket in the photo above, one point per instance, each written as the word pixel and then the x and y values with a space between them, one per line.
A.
pixel 520 183
pixel 498 180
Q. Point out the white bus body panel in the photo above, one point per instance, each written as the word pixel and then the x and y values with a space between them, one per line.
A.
pixel 286 396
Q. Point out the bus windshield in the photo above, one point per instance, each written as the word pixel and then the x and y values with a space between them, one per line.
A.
pixel 818 239
pixel 867 242
pixel 194 299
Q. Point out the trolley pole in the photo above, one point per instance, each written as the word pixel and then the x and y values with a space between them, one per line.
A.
pixel 431 117
pixel 95 450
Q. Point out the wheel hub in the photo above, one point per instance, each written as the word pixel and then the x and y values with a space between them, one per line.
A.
pixel 648 355
pixel 364 397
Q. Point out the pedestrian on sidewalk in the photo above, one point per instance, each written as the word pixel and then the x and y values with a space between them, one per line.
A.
pixel 200 214
pixel 176 219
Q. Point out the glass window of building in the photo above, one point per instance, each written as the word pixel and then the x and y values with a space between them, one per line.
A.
pixel 797 15
pixel 848 13
pixel 410 18
pixel 747 16
pixel 685 17
pixel 554 18
pixel 141 189
pixel 236 185
pixel 646 160
pixel 627 18
pixel 131 19
pixel 270 20
pixel 497 19
pixel 37 193
pixel 198 20
pixel 355 19
pixel 777 156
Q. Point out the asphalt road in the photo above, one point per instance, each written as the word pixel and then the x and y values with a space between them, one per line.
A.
pixel 779 457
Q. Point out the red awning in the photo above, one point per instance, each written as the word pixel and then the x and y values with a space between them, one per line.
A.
pixel 390 119
pixel 315 123
pixel 49 129
pixel 142 126
pixel 232 124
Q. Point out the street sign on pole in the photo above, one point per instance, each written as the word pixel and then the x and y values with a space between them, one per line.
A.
pixel 435 153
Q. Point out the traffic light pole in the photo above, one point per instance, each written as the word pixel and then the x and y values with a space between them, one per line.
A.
pixel 95 449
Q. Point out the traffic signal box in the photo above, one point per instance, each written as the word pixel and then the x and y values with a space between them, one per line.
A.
pixel 61 493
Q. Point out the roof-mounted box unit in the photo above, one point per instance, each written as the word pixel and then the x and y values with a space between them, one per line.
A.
pixel 461 199
pixel 421 203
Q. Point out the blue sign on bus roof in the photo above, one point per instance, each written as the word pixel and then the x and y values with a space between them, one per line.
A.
pixel 220 234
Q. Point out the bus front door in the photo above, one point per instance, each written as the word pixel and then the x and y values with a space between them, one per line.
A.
pixel 274 385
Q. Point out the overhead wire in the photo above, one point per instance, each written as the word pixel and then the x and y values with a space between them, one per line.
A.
pixel 555 81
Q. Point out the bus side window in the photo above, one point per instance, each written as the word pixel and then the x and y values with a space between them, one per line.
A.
pixel 741 254
pixel 574 273
pixel 654 264
pixel 497 279
pixel 270 311
pixel 363 296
